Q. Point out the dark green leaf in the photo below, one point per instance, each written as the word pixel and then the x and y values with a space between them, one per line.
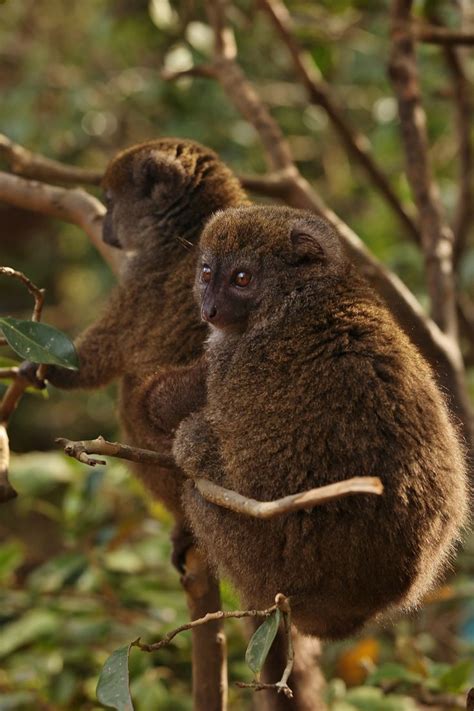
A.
pixel 261 641
pixel 39 342
pixel 113 685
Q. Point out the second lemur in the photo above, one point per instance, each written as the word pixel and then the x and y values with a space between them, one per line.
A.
pixel 158 195
pixel 311 381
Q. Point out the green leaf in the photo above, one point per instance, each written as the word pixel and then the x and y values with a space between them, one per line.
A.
pixel 32 626
pixel 39 342
pixel 393 672
pixel 113 685
pixel 457 677
pixel 261 641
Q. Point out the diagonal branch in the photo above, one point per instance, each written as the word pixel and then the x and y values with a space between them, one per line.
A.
pixel 436 236
pixel 356 144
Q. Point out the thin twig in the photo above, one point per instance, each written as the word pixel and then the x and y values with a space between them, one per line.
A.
pixel 209 617
pixel 436 235
pixel 82 449
pixel 282 603
pixel 36 166
pixel 38 293
pixel 357 145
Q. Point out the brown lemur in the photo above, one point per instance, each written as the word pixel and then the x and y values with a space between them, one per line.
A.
pixel 158 195
pixel 311 381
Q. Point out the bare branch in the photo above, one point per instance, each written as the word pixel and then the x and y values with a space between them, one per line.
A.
pixel 75 206
pixel 296 502
pixel 436 236
pixel 81 451
pixel 440 35
pixel 38 167
pixel 357 145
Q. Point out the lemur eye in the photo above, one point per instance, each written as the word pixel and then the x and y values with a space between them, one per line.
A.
pixel 242 279
pixel 206 273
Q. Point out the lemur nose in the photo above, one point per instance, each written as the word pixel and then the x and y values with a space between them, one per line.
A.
pixel 209 314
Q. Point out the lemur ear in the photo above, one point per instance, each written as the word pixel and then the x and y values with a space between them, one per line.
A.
pixel 314 240
pixel 161 172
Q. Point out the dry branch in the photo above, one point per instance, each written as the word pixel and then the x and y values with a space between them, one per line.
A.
pixel 356 144
pixel 38 167
pixel 75 206
pixel 81 451
pixel 436 235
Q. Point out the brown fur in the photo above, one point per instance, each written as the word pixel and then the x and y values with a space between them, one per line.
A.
pixel 313 384
pixel 158 196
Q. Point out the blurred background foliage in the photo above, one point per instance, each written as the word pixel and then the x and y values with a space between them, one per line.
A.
pixel 84 554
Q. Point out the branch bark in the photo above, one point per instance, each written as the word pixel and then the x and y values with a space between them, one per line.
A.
pixel 436 235
pixel 75 206
pixel 33 165
pixel 440 35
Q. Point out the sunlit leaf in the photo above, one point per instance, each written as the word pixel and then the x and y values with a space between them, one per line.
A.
pixel 39 342
pixel 261 641
pixel 113 685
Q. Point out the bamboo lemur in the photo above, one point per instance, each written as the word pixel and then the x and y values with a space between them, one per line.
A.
pixel 158 195
pixel 311 381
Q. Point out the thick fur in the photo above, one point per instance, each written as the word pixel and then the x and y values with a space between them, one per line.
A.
pixel 322 385
pixel 158 196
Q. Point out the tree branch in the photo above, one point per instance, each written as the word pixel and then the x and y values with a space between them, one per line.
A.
pixel 436 235
pixel 16 389
pixel 75 206
pixel 356 144
pixel 33 165
pixel 440 35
